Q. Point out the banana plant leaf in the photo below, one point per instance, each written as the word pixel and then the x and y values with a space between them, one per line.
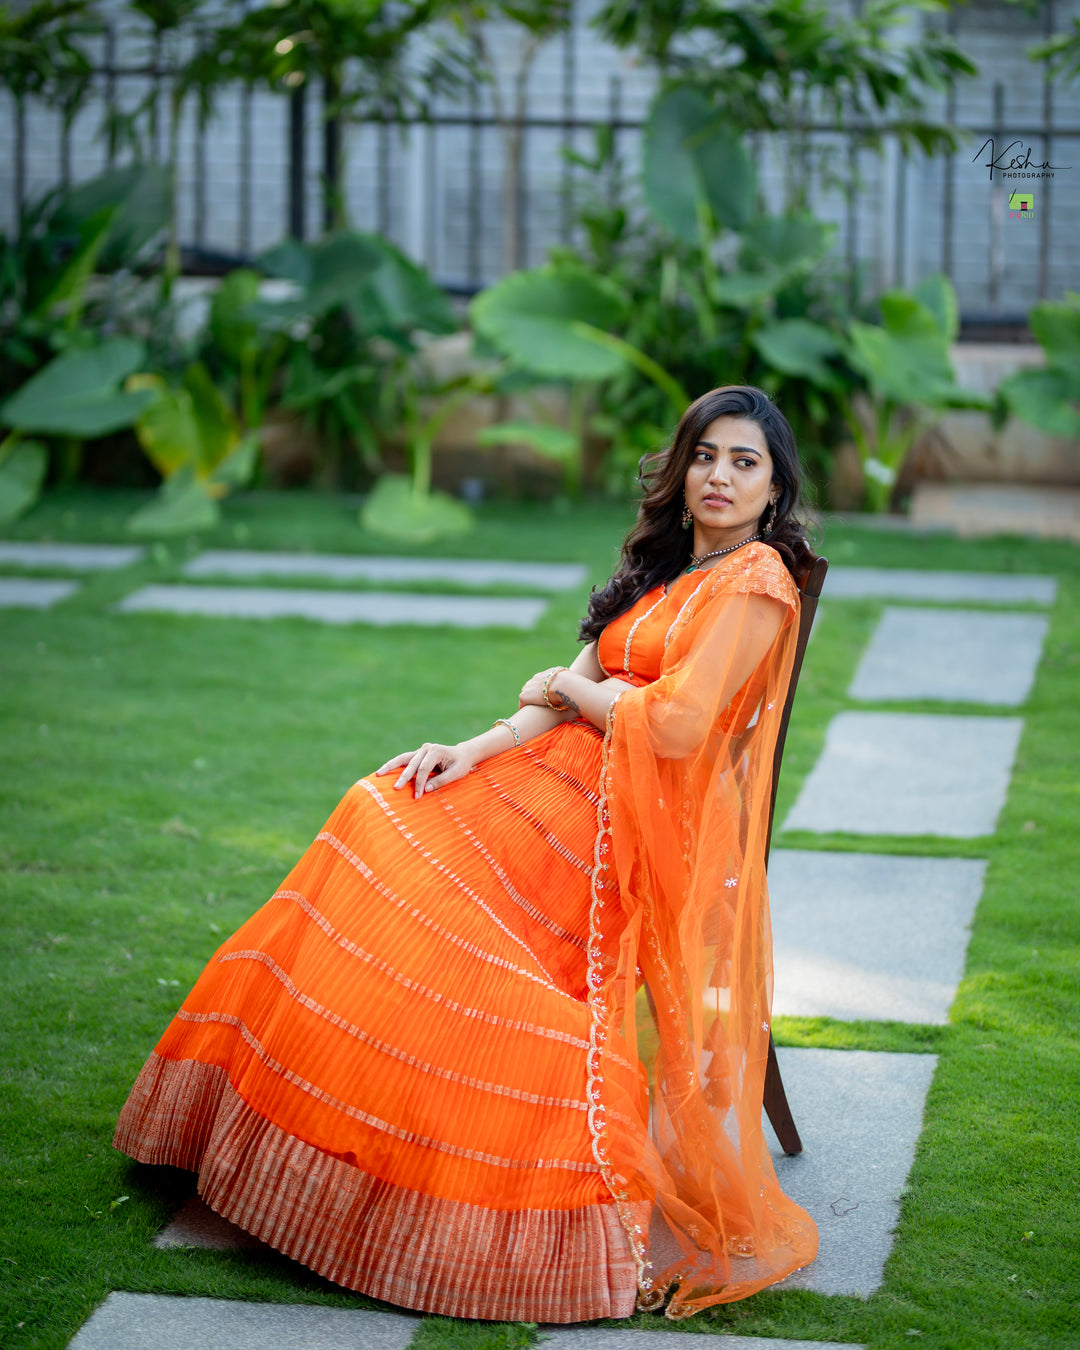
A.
pixel 791 243
pixel 78 394
pixel 232 327
pixel 22 472
pixel 67 284
pixel 237 468
pixel 533 318
pixel 937 294
pixel 694 159
pixel 137 198
pixel 1056 325
pixel 190 425
pixel 394 510
pixel 1048 399
pixel 801 348
pixel 552 442
pixel 386 294
pixel 182 506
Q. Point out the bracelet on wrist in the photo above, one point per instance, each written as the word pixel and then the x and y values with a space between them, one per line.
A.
pixel 553 706
pixel 505 722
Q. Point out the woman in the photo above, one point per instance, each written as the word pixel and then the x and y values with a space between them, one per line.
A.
pixel 417 1070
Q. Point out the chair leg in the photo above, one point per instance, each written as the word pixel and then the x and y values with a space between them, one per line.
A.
pixel 776 1105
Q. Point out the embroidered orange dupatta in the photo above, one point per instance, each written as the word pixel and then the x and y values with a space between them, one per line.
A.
pixel 685 799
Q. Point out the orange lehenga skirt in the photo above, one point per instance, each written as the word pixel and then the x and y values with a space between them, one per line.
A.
pixel 382 1073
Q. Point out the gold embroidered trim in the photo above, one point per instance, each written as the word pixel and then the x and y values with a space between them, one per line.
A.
pixel 648 1296
pixel 365 1118
pixel 508 886
pixel 350 857
pixel 425 991
pixel 634 627
pixel 393 1051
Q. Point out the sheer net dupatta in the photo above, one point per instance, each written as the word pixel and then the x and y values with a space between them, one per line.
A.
pixel 684 813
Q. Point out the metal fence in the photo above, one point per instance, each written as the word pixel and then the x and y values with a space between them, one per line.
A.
pixel 434 183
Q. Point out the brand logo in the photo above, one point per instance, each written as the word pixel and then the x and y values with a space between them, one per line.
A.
pixel 1015 161
pixel 1021 205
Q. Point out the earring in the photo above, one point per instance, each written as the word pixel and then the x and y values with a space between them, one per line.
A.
pixel 770 516
pixel 687 515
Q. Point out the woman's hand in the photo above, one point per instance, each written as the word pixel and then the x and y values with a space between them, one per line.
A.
pixel 532 691
pixel 432 766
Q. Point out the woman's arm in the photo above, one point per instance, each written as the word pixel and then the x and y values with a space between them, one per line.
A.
pixel 433 766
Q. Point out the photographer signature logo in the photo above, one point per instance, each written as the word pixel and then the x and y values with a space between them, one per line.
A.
pixel 1014 162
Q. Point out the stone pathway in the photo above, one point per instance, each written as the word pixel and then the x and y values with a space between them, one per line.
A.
pixel 857 936
pixel 865 936
pixel 162 1322
pixel 70 557
pixel 478 573
pixel 33 593
pixel 375 607
pixel 951 655
pixel 898 583
pixel 909 773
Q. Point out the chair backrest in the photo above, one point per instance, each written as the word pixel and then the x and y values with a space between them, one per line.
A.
pixel 809 581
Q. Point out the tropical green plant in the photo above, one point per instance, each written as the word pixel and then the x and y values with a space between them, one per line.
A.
pixel 43 56
pixel 354 52
pixel 191 436
pixel 909 379
pixel 1050 398
pixel 1061 52
pixel 351 327
pixel 77 396
pixel 790 65
pixel 556 322
pixel 712 291
pixel 534 22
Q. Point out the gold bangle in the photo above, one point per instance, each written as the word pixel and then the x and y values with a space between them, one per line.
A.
pixel 505 721
pixel 548 701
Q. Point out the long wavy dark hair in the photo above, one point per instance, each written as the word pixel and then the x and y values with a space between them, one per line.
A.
pixel 657 549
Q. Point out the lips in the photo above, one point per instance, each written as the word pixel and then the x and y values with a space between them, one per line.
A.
pixel 716 501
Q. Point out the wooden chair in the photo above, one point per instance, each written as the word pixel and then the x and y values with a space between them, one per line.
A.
pixel 775 1100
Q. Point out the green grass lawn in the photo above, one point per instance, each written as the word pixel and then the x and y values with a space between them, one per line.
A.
pixel 161 774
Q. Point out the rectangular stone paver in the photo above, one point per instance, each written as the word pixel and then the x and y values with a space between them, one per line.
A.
pixel 375 607
pixel 901 583
pixel 869 936
pixel 33 593
pixel 955 655
pixel 612 1338
pixel 909 773
pixel 70 557
pixel 164 1322
pixel 859 1114
pixel 348 567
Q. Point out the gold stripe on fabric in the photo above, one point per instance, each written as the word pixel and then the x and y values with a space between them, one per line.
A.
pixel 538 825
pixel 425 991
pixel 393 1051
pixel 564 775
pixel 365 1118
pixel 511 890
pixel 682 610
pixel 430 857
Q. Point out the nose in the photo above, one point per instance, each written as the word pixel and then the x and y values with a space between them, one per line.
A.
pixel 718 473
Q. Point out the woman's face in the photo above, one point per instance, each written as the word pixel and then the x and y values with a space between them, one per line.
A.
pixel 729 482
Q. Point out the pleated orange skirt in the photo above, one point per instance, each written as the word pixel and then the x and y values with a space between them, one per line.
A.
pixel 382 1074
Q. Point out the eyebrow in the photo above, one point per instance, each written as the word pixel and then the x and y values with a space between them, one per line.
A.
pixel 735 449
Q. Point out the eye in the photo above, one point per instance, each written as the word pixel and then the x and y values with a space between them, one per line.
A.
pixel 746 461
pixel 703 455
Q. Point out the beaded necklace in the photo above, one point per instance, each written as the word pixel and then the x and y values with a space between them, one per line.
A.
pixel 696 560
